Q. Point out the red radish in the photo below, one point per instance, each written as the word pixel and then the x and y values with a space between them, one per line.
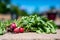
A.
pixel 21 30
pixel 13 26
pixel 16 30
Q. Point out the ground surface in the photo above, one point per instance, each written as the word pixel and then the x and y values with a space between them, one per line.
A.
pixel 30 36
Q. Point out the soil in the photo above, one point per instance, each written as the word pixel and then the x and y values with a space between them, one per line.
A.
pixel 30 36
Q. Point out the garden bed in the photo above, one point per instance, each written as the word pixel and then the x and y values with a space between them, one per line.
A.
pixel 30 36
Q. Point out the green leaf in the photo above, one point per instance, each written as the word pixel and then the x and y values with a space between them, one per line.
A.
pixel 1 32
pixel 38 31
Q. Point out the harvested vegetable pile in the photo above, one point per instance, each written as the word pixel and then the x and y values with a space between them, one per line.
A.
pixel 37 24
pixel 33 23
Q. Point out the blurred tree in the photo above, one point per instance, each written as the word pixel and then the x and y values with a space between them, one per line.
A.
pixel 0 1
pixel 52 7
pixel 18 11
pixel 13 9
pixel 36 11
pixel 23 13
pixel 7 1
pixel 2 7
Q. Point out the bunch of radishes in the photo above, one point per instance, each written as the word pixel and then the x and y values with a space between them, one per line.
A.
pixel 13 28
